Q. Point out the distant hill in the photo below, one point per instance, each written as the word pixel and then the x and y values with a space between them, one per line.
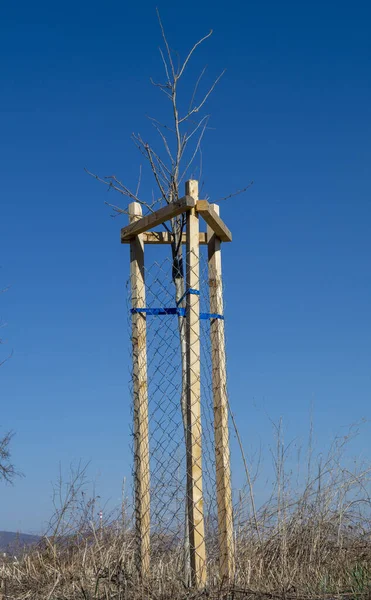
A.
pixel 12 541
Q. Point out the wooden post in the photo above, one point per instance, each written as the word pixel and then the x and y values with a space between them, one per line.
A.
pixel 194 432
pixel 141 439
pixel 219 382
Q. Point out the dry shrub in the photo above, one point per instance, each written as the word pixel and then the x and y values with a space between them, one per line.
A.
pixel 310 540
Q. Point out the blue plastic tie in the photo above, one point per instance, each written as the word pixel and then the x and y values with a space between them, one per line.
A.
pixel 211 316
pixel 181 312
pixel 159 311
pixel 186 293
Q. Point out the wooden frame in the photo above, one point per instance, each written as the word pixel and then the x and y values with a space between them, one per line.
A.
pixel 212 218
pixel 184 205
pixel 137 234
pixel 157 218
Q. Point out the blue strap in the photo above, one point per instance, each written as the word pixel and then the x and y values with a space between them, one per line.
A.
pixel 181 312
pixel 159 311
pixel 186 293
pixel 211 316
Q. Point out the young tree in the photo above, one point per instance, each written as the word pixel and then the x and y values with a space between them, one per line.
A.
pixel 171 165
pixel 181 140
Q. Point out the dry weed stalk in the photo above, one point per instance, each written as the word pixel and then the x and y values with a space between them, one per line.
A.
pixel 314 543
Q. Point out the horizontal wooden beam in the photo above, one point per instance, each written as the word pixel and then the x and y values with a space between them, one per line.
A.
pixel 164 237
pixel 157 218
pixel 214 221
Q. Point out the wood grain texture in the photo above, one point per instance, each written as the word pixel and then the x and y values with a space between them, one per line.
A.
pixel 157 218
pixel 140 391
pixel 213 220
pixel 194 430
pixel 221 431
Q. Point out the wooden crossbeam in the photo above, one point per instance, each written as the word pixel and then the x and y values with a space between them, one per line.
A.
pixel 213 220
pixel 157 218
pixel 164 237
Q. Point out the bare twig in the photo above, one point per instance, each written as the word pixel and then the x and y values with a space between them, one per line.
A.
pixel 139 181
pixel 8 471
pixel 197 108
pixel 192 52
pixel 166 44
pixel 196 88
pixel 236 193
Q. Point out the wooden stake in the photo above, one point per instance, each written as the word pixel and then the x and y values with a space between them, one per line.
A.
pixel 194 431
pixel 141 439
pixel 219 379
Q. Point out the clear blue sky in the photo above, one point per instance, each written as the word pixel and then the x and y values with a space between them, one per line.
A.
pixel 292 113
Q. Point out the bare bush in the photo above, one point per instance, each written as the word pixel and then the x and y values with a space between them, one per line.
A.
pixel 314 542
pixel 8 471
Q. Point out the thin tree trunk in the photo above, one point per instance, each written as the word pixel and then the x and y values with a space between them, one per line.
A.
pixel 178 280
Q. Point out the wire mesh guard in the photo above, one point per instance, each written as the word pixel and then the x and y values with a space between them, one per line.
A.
pixel 180 467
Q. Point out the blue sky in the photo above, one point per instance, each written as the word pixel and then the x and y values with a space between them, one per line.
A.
pixel 292 113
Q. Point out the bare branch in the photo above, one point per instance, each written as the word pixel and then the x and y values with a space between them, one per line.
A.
pixel 108 181
pixel 161 124
pixel 201 167
pixel 163 172
pixel 165 66
pixel 139 181
pixel 6 359
pixel 236 193
pixel 117 209
pixel 8 471
pixel 165 142
pixel 155 172
pixel 161 86
pixel 166 44
pixel 192 51
pixel 188 137
pixel 198 108
pixel 194 153
pixel 115 184
pixel 196 88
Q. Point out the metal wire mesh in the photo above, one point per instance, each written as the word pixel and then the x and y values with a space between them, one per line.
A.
pixel 171 499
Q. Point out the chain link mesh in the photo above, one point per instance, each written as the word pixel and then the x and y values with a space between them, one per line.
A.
pixel 167 349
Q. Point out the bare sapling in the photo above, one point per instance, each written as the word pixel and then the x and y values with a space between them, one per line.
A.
pixel 177 159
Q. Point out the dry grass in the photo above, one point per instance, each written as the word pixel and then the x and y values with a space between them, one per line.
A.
pixel 308 541
pixel 304 562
